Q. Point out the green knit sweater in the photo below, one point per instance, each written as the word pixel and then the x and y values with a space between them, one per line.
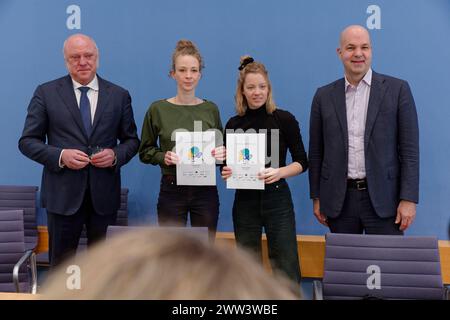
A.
pixel 163 118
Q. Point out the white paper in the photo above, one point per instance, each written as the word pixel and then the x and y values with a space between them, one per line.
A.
pixel 197 167
pixel 246 158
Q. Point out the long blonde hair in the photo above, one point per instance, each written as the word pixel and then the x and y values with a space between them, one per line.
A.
pixel 248 65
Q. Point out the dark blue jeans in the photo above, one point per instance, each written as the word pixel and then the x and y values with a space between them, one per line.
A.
pixel 175 202
pixel 271 209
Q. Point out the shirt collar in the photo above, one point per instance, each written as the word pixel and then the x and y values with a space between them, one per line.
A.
pixel 92 85
pixel 367 79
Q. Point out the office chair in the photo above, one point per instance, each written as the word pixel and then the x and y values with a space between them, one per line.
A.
pixel 380 267
pixel 14 275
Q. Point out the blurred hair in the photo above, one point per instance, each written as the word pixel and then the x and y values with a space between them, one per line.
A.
pixel 166 264
pixel 241 101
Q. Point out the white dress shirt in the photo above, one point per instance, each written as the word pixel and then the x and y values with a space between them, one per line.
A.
pixel 357 103
pixel 92 94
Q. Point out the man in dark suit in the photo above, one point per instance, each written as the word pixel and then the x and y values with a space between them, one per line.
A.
pixel 364 146
pixel 72 128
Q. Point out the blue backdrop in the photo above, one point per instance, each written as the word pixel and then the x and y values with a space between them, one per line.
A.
pixel 295 39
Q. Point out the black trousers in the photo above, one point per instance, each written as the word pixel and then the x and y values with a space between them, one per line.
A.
pixel 64 231
pixel 271 209
pixel 358 216
pixel 176 202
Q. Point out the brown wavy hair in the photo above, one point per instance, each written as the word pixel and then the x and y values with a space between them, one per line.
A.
pixel 186 48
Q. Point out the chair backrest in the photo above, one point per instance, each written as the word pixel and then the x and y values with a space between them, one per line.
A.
pixel 122 218
pixel 12 248
pixel 381 266
pixel 200 233
pixel 22 198
pixel 122 213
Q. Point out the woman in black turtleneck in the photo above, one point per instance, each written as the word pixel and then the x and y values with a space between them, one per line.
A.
pixel 272 207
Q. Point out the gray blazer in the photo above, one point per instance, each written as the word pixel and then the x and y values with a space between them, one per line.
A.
pixel 391 146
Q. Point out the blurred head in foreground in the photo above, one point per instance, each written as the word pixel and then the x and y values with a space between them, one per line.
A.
pixel 161 264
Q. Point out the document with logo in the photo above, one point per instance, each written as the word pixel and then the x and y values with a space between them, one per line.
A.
pixel 246 158
pixel 197 167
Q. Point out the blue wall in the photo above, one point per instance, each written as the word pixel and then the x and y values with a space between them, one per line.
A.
pixel 295 39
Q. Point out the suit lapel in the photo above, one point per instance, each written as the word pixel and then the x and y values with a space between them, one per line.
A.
pixel 67 94
pixel 341 110
pixel 377 91
pixel 102 102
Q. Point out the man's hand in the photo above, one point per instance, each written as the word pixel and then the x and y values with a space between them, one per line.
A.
pixel 74 159
pixel 406 212
pixel 171 158
pixel 226 173
pixel 103 159
pixel 319 215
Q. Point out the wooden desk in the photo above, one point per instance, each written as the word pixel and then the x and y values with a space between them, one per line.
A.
pixel 18 296
pixel 311 251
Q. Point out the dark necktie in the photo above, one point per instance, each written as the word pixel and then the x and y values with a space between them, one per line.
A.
pixel 85 109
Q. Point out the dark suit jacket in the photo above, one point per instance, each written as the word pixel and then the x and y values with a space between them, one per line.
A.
pixel 391 146
pixel 54 123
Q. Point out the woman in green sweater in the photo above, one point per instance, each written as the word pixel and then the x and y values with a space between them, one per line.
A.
pixel 163 118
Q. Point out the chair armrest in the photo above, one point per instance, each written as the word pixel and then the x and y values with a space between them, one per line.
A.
pixel 446 292
pixel 29 255
pixel 317 290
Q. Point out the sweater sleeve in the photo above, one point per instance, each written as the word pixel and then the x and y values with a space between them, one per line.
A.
pixel 220 141
pixel 294 140
pixel 229 126
pixel 149 150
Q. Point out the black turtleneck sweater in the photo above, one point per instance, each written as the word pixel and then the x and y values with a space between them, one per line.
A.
pixel 289 133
